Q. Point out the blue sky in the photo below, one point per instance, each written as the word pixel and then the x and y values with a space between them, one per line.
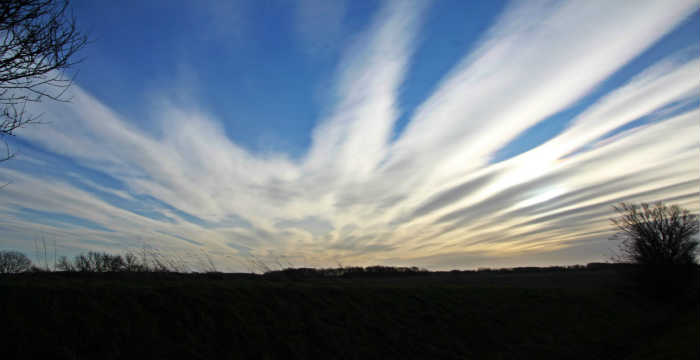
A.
pixel 444 134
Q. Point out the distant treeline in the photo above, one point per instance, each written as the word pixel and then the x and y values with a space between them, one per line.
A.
pixel 392 271
pixel 346 272
pixel 589 266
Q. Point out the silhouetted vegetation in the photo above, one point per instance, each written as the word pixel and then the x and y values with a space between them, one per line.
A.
pixel 139 305
pixel 659 240
pixel 561 312
pixel 38 43
pixel 13 262
pixel 145 260
pixel 656 235
pixel 148 260
pixel 378 271
pixel 344 272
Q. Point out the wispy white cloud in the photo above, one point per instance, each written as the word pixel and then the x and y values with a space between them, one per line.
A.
pixel 352 141
pixel 537 59
pixel 432 196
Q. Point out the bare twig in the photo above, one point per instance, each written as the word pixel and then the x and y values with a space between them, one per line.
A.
pixel 38 44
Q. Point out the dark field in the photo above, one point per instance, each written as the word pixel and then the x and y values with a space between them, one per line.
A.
pixel 572 314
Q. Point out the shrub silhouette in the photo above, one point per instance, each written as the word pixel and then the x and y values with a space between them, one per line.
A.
pixel 659 241
pixel 13 262
pixel 656 235
pixel 100 262
pixel 95 262
pixel 133 264
pixel 63 264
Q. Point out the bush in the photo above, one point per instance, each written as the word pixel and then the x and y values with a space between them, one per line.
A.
pixel 63 264
pixel 659 241
pixel 12 262
pixel 99 262
pixel 656 235
pixel 93 262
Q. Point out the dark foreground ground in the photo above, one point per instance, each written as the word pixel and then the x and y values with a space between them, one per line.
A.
pixel 582 314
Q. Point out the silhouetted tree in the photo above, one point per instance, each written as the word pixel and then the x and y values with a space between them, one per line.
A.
pixel 656 235
pixel 63 264
pixel 659 240
pixel 94 262
pixel 12 262
pixel 38 43
pixel 132 263
pixel 100 262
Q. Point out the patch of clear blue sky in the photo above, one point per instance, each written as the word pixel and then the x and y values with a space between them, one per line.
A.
pixel 684 38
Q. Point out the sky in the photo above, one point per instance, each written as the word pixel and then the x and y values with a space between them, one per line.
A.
pixel 439 134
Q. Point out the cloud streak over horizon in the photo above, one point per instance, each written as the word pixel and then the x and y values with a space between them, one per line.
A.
pixel 433 193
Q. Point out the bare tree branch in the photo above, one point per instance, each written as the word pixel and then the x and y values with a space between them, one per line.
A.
pixel 656 235
pixel 38 44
